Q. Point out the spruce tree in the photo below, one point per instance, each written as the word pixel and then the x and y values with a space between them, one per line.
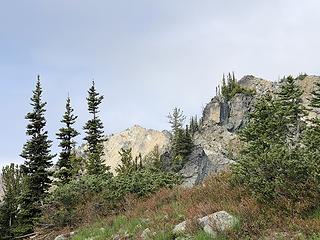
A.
pixel 292 111
pixel 94 134
pixel 38 160
pixel 12 186
pixel 315 99
pixel 66 136
pixel 176 120
pixel 312 134
pixel 274 165
pixel 128 165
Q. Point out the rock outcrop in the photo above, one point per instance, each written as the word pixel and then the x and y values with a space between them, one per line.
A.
pixel 222 119
pixel 218 222
pixel 141 140
pixel 216 143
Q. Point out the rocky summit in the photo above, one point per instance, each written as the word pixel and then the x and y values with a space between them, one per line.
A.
pixel 217 142
pixel 140 140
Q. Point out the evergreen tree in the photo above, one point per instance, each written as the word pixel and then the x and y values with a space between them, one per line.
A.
pixel 128 165
pixel 38 160
pixel 12 186
pixel 182 144
pixel 176 120
pixel 94 134
pixel 315 100
pixel 224 88
pixel 273 164
pixel 291 110
pixel 194 125
pixel 66 136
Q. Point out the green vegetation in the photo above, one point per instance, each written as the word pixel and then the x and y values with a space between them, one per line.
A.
pixel 280 160
pixel 38 160
pixel 231 87
pixel 161 211
pixel 181 140
pixel 12 181
pixel 66 135
pixel 272 189
pixel 94 134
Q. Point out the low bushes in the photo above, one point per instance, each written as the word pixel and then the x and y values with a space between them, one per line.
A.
pixel 92 196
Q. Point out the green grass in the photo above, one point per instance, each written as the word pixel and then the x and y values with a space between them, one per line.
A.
pixel 120 226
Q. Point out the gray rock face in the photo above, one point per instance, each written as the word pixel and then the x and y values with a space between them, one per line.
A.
pixel 232 114
pixel 240 105
pixel 218 137
pixel 196 168
pixel 218 222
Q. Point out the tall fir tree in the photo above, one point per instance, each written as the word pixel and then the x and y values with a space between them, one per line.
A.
pixel 312 133
pixel 38 160
pixel 291 110
pixel 66 136
pixel 95 134
pixel 176 120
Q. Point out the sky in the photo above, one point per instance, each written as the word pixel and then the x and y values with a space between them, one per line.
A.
pixel 145 56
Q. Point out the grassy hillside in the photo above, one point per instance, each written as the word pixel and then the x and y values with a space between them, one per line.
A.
pixel 163 210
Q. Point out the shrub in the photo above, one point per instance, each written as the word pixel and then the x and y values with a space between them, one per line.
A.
pixel 95 196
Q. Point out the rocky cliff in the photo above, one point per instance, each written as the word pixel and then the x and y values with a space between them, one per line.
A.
pixel 217 142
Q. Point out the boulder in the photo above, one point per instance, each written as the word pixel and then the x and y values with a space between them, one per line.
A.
pixel 180 228
pixel 218 222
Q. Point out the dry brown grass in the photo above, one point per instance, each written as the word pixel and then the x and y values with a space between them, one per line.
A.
pixel 216 194
pixel 168 207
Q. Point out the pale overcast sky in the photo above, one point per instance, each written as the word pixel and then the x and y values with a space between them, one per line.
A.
pixel 145 56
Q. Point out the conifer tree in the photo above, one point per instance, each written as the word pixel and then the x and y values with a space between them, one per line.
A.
pixel 194 125
pixel 312 134
pixel 273 164
pixel 315 100
pixel 176 120
pixel 66 136
pixel 38 160
pixel 12 186
pixel 291 110
pixel 128 165
pixel 224 88
pixel 94 134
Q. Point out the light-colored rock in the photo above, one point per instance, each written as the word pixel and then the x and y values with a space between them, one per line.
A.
pixel 141 140
pixel 180 228
pixel 146 234
pixel 65 236
pixel 209 230
pixel 61 237
pixel 217 222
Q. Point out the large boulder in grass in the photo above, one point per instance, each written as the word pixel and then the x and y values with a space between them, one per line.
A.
pixel 218 222
pixel 180 228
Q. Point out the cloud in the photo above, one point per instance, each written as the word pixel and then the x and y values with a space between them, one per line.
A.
pixel 145 56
